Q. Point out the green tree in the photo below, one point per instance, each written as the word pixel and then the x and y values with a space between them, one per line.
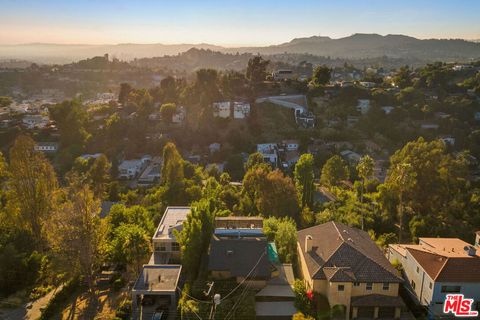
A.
pixel 254 159
pixel 131 244
pixel 303 177
pixel 257 69
pixel 71 119
pixel 334 171
pixel 167 110
pixel 321 75
pixel 125 90
pixel 99 175
pixel 284 232
pixel 5 101
pixel 32 187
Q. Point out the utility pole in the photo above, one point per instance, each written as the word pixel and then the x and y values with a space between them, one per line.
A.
pixel 216 302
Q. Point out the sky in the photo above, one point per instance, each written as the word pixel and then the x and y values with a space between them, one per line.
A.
pixel 230 23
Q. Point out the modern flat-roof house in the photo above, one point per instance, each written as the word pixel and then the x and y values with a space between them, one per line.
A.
pixel 346 266
pixel 221 109
pixel 165 246
pixel 269 152
pixel 241 110
pixel 436 267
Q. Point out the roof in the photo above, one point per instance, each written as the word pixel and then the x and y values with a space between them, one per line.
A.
pixel 239 256
pixel 276 290
pixel 172 218
pixel 444 259
pixel 278 308
pixel 377 300
pixel 342 253
pixel 158 278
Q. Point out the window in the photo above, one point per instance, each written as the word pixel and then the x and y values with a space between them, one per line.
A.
pixel 175 246
pixel 413 284
pixel 386 286
pixel 356 284
pixel 418 269
pixel 430 285
pixel 369 286
pixel 160 247
pixel 341 287
pixel 451 289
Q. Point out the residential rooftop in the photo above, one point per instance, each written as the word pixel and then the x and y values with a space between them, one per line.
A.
pixel 158 278
pixel 172 218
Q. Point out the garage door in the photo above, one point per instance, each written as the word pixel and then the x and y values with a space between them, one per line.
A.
pixel 366 312
pixel 386 312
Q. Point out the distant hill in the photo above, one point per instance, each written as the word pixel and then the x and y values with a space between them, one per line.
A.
pixel 357 46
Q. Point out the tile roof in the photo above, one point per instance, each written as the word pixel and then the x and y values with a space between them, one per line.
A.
pixel 444 259
pixel 239 256
pixel 342 253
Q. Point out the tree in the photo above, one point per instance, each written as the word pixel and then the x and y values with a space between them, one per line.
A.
pixel 334 171
pixel 257 69
pixel 271 192
pixel 365 169
pixel 131 245
pixel 284 232
pixel 195 235
pixel 32 187
pixel 303 177
pixel 125 90
pixel 234 167
pixel 99 175
pixel 167 110
pixel 321 75
pixel 402 78
pixel 71 118
pixel 172 166
pixel 254 159
pixel 77 232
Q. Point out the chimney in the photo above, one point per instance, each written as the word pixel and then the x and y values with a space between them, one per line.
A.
pixel 308 243
pixel 470 250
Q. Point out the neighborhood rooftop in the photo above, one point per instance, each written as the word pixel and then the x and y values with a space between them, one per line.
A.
pixel 172 218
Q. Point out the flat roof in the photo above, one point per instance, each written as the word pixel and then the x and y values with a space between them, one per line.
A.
pixel 172 218
pixel 158 278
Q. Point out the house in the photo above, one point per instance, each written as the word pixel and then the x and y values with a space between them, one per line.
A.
pixel 447 140
pixel 35 121
pixel 179 115
pixel 239 249
pixel 88 156
pixel 476 116
pixel 165 245
pixel 283 74
pixel 436 267
pixel 47 147
pixel 429 126
pixel 291 145
pixel 241 110
pixel 221 109
pixel 344 265
pixel 214 147
pixel 363 106
pixel 368 84
pixel 350 156
pixel 388 109
pixel 156 288
pixel 269 152
pixel 152 173
pixel 130 169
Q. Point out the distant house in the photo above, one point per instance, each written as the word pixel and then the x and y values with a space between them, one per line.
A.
pixel 344 265
pixel 291 145
pixel 214 147
pixel 476 116
pixel 367 84
pixel 130 169
pixel 241 110
pixel 221 109
pixel 350 156
pixel 165 245
pixel 448 140
pixel 47 147
pixel 429 126
pixel 179 115
pixel 88 156
pixel 436 267
pixel 388 109
pixel 363 106
pixel 283 74
pixel 269 152
pixel 35 121
pixel 151 174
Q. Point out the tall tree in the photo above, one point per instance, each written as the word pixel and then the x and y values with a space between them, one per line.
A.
pixel 304 176
pixel 78 232
pixel 321 75
pixel 99 175
pixel 167 110
pixel 334 171
pixel 257 69
pixel 32 186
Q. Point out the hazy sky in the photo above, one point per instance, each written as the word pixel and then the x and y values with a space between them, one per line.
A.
pixel 229 22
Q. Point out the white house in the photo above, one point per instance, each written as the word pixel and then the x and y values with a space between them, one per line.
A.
pixel 283 74
pixel 35 121
pixel 221 109
pixel 214 147
pixel 47 147
pixel 448 140
pixel 269 152
pixel 179 115
pixel 363 106
pixel 241 110
pixel 291 145
pixel 436 267
pixel 129 169
pixel 165 245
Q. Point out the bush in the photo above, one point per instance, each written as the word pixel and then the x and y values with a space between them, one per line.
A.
pixel 124 310
pixel 118 284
